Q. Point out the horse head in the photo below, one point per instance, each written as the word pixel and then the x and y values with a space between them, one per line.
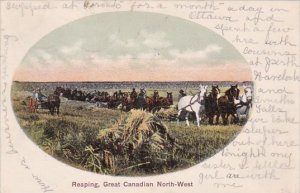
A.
pixel 202 92
pixel 125 97
pixel 155 96
pixel 233 92
pixel 59 91
pixel 170 97
pixel 203 89
pixel 247 94
pixel 215 91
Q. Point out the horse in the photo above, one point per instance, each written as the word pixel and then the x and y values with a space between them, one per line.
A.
pixel 169 98
pixel 192 104
pixel 226 104
pixel 53 103
pixel 162 102
pixel 145 103
pixel 244 103
pixel 156 98
pixel 211 105
pixel 115 100
pixel 128 102
pixel 166 101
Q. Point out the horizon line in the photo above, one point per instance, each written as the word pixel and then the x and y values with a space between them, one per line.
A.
pixel 130 81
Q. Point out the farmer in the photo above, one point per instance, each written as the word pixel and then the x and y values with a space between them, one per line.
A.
pixel 181 94
pixel 119 95
pixel 141 99
pixel 142 93
pixel 40 96
pixel 133 94
pixel 35 95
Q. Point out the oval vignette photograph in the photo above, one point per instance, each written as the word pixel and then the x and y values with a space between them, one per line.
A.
pixel 132 93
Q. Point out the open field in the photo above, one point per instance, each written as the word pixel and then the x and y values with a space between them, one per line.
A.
pixel 95 139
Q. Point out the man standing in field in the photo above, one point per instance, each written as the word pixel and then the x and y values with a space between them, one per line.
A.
pixel 35 95
pixel 133 94
pixel 141 98
pixel 41 96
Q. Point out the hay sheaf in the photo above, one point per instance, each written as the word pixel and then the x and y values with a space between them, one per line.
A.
pixel 167 114
pixel 138 139
pixel 136 130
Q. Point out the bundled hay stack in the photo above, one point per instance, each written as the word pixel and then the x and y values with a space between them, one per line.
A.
pixel 138 128
pixel 167 114
pixel 139 136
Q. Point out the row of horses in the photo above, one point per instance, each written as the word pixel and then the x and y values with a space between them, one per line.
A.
pixel 212 104
pixel 125 100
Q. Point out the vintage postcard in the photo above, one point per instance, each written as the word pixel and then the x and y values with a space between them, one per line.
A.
pixel 150 96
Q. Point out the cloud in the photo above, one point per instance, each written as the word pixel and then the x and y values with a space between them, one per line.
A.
pixel 69 50
pixel 155 40
pixel 44 55
pixel 116 40
pixel 152 59
pixel 38 59
pixel 195 54
pixel 148 39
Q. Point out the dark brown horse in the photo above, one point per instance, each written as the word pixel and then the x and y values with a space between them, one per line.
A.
pixel 53 103
pixel 162 102
pixel 166 101
pixel 149 103
pixel 211 105
pixel 156 98
pixel 226 104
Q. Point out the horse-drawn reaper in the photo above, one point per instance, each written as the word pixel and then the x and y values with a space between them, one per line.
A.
pixel 40 101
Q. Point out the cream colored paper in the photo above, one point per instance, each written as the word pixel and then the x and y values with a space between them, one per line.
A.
pixel 263 158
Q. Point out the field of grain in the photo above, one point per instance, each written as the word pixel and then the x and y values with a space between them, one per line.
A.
pixel 109 141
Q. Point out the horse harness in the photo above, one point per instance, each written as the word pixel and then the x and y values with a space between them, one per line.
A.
pixel 241 104
pixel 198 100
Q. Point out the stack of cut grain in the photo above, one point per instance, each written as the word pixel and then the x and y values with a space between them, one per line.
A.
pixel 138 131
pixel 167 114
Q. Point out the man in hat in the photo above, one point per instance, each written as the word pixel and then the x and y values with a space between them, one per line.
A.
pixel 119 95
pixel 133 94
pixel 141 99
pixel 181 94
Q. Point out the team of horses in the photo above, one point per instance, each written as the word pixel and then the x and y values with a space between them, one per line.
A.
pixel 212 104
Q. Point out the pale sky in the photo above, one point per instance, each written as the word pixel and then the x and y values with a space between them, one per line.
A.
pixel 130 46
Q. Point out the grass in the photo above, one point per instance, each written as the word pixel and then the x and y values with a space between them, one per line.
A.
pixel 73 137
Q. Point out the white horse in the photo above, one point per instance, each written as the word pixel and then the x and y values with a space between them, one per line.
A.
pixel 244 103
pixel 192 104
